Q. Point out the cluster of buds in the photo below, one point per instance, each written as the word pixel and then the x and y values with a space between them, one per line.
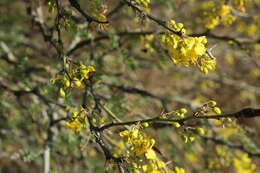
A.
pixel 75 77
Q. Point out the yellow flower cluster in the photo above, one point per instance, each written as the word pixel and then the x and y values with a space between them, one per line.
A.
pixel 188 138
pixel 188 50
pixel 51 6
pixel 251 28
pixel 179 113
pixel 244 164
pixel 138 144
pixel 73 78
pixel 146 40
pixel 179 170
pixel 206 63
pixel 200 131
pixel 97 10
pixel 77 120
pixel 239 4
pixel 216 14
pixel 212 104
pixel 144 3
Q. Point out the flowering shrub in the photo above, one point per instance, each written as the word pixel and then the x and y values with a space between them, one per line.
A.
pixel 136 86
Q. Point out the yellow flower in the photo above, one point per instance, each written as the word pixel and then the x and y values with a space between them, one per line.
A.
pixel 243 163
pixel 200 131
pixel 187 50
pixel 77 83
pixel 153 167
pixel 212 21
pixel 215 15
pixel 139 142
pixel 160 163
pixel 217 110
pixel 183 111
pixel 62 93
pixel 150 154
pixel 75 125
pixel 212 103
pixel 176 124
pixel 179 170
pixel 145 124
pixel 145 3
pixel 224 10
pixel 136 171
pixel 191 138
pixel 66 82
pixel 184 138
pixel 124 133
pixel 77 120
pixel 206 63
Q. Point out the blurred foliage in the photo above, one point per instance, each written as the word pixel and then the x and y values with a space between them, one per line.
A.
pixel 65 73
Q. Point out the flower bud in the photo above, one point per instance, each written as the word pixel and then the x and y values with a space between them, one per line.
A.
pixel 217 110
pixel 200 131
pixel 62 93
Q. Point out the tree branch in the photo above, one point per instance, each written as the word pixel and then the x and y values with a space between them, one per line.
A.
pixel 244 113
pixel 76 5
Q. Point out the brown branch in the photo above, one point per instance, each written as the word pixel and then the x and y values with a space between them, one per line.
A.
pixel 35 91
pixel 239 43
pixel 93 129
pixel 76 5
pixel 245 113
pixel 152 18
pixel 128 33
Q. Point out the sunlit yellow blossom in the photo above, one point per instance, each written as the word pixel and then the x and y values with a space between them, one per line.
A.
pixel 97 10
pixel 206 63
pixel 187 50
pixel 200 131
pixel 191 138
pixel 176 124
pixel 73 77
pixel 183 111
pixel 75 125
pixel 212 21
pixel 62 93
pixel 146 41
pixel 77 120
pixel 66 82
pixel 239 4
pixel 217 110
pixel 77 83
pixel 150 154
pixel 144 3
pixel 145 124
pixel 243 164
pixel 153 167
pixel 212 103
pixel 179 170
pixel 216 14
pixel 139 144
pixel 184 138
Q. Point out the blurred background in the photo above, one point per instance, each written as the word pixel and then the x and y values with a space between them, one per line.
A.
pixel 134 79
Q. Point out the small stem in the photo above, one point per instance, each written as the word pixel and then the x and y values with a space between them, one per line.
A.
pixel 47 158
